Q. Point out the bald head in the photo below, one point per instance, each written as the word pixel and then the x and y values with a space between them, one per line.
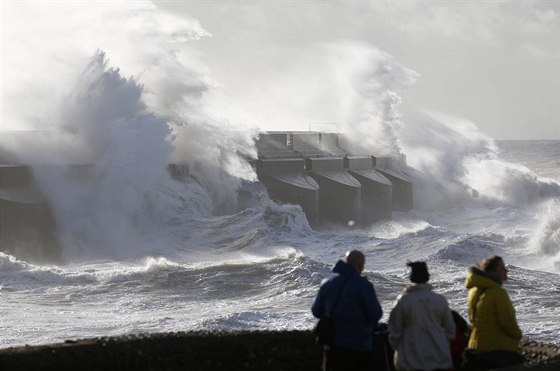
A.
pixel 356 259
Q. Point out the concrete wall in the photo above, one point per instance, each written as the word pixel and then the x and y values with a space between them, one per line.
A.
pixel 376 189
pixel 27 226
pixel 306 142
pixel 324 164
pixel 339 193
pixel 280 166
pixel 286 182
pixel 329 142
pixel 288 193
pixel 343 197
pixel 15 176
pixel 376 199
pixel 278 143
pixel 272 142
pixel 402 196
pixel 358 162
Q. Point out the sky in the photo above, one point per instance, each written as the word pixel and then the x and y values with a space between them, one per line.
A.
pixel 285 64
pixel 495 63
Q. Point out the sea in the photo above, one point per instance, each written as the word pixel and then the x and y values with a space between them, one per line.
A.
pixel 145 252
pixel 260 268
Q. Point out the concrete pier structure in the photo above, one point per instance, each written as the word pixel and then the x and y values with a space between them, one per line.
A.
pixel 340 198
pixel 27 226
pixel 402 199
pixel 376 189
pixel 277 144
pixel 287 182
pixel 360 189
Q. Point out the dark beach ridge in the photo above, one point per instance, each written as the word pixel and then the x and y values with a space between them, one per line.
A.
pixel 244 350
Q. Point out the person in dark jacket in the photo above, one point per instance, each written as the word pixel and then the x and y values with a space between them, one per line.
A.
pixel 356 313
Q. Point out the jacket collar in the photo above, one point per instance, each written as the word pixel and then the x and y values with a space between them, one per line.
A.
pixel 344 269
pixel 490 276
pixel 418 287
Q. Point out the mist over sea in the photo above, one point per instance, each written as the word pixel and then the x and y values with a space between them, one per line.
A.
pixel 143 252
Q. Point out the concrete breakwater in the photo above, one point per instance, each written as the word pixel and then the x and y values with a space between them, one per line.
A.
pixel 27 225
pixel 331 184
pixel 310 169
pixel 247 350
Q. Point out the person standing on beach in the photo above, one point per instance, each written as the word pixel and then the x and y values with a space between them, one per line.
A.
pixel 356 312
pixel 421 325
pixel 495 332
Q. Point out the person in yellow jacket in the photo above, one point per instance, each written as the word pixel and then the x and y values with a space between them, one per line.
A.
pixel 495 331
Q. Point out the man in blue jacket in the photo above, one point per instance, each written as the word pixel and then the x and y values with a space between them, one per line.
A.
pixel 356 313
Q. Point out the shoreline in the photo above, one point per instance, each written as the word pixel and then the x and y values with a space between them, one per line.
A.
pixel 241 350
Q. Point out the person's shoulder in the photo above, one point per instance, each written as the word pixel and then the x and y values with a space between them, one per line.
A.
pixel 496 294
pixel 496 290
pixel 423 291
pixel 438 295
pixel 442 299
pixel 434 296
pixel 365 279
pixel 499 292
pixel 327 281
pixel 362 281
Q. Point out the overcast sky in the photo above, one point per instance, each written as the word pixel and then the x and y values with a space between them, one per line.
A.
pixel 288 64
pixel 495 63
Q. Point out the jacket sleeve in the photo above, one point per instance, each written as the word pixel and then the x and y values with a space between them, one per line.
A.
pixel 372 303
pixel 506 315
pixel 472 298
pixel 318 306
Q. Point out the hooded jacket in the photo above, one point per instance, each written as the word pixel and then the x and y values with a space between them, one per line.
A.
pixel 421 328
pixel 357 310
pixel 494 326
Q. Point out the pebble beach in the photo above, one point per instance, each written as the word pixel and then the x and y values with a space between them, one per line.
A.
pixel 216 351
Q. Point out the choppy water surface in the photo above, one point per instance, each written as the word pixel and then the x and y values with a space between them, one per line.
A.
pixel 260 268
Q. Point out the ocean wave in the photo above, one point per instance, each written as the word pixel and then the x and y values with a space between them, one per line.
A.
pixel 472 248
pixel 254 320
pixel 546 238
pixel 22 275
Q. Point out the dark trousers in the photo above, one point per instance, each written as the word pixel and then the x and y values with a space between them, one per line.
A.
pixel 341 359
